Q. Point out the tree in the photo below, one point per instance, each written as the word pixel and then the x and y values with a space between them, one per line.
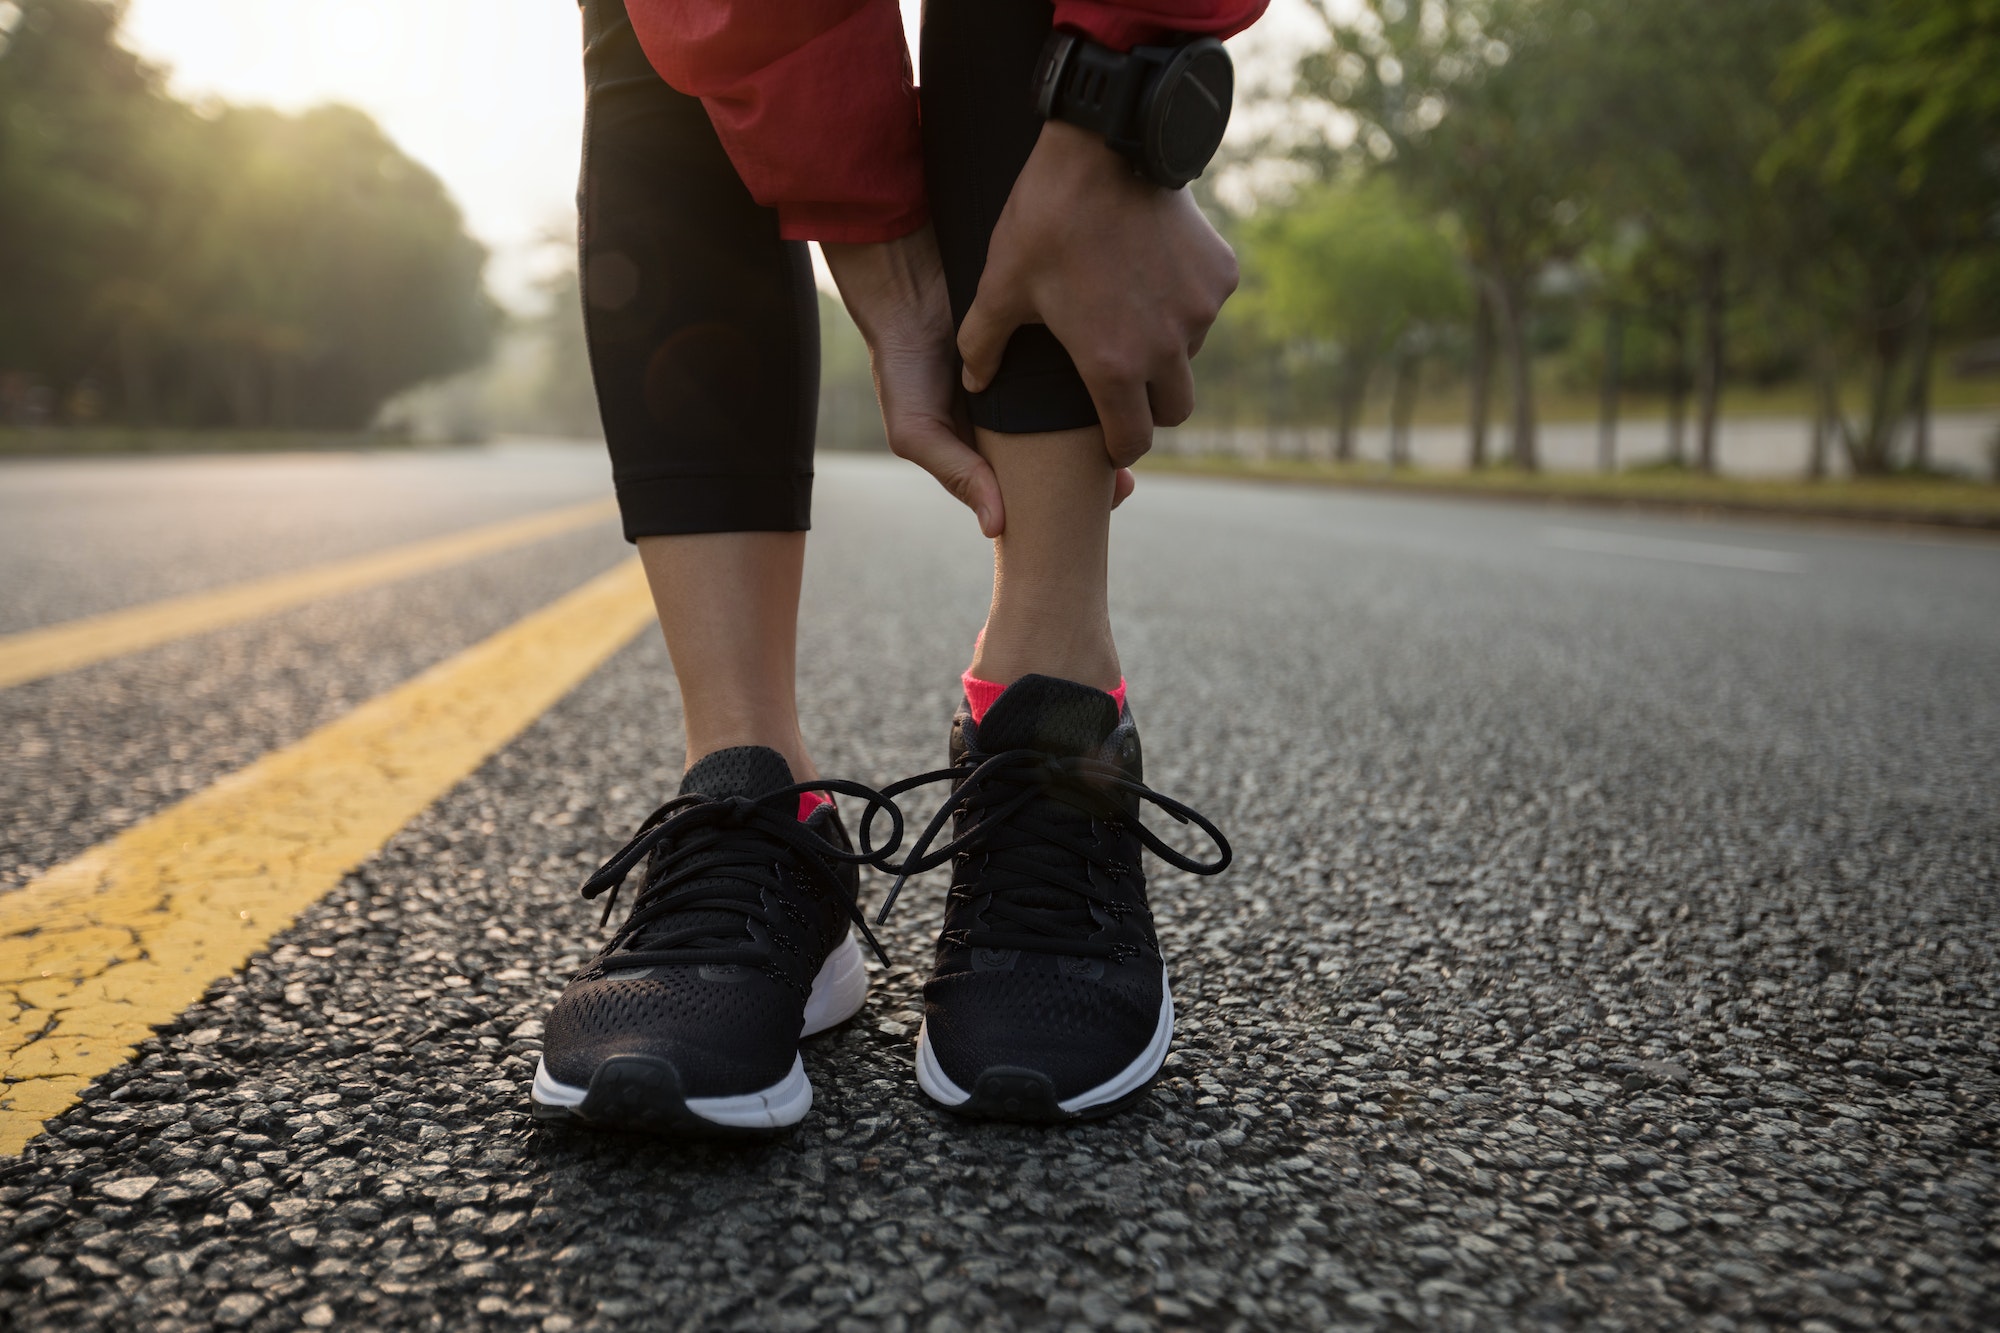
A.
pixel 331 270
pixel 236 266
pixel 1681 115
pixel 1351 267
pixel 1896 124
pixel 1465 103
pixel 84 174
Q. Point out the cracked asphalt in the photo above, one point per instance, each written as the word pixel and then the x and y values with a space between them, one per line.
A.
pixel 1611 942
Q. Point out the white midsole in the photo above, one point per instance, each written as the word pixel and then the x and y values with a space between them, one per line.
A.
pixel 939 1087
pixel 838 993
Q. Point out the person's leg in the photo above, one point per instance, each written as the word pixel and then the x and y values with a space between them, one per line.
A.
pixel 1036 423
pixel 1048 999
pixel 704 344
pixel 729 607
pixel 1050 613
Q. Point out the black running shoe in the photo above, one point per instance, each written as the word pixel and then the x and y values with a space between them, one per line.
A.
pixel 1049 998
pixel 689 1020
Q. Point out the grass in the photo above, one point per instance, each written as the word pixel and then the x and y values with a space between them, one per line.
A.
pixel 1559 402
pixel 1561 399
pixel 1946 501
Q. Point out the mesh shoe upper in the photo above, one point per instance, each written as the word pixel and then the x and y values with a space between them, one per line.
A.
pixel 713 966
pixel 1048 960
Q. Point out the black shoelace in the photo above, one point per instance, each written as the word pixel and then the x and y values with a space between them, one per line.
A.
pixel 708 843
pixel 1020 804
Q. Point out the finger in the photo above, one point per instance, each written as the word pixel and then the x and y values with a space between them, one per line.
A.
pixel 1200 337
pixel 957 466
pixel 1122 484
pixel 1126 416
pixel 1172 393
pixel 982 338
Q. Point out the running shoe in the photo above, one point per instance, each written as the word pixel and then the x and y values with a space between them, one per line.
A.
pixel 1049 997
pixel 738 946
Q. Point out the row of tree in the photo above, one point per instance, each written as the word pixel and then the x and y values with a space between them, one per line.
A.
pixel 162 263
pixel 1823 173
pixel 1661 191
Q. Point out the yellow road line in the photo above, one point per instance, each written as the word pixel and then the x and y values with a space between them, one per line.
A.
pixel 100 949
pixel 75 643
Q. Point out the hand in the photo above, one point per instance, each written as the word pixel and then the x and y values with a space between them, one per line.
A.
pixel 1127 275
pixel 895 292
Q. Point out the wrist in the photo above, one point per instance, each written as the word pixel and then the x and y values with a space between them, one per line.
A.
pixel 1163 108
pixel 1081 157
pixel 888 287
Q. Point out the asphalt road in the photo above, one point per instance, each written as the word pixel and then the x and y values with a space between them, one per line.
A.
pixel 1612 940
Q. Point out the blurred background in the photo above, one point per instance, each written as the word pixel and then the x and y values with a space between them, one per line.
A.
pixel 1611 235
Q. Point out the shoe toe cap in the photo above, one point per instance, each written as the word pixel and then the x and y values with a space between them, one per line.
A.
pixel 1077 1033
pixel 722 1038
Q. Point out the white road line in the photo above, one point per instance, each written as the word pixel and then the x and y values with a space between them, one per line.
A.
pixel 1668 548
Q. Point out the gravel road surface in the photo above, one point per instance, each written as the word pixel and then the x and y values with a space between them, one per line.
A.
pixel 1611 944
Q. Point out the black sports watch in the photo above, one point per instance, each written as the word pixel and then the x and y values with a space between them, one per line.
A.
pixel 1164 107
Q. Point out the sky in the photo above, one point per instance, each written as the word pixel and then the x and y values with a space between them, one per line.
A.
pixel 486 93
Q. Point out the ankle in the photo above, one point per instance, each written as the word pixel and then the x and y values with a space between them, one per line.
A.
pixel 1010 649
pixel 787 742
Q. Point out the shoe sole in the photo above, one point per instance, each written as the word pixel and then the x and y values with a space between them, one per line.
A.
pixel 1009 1092
pixel 643 1092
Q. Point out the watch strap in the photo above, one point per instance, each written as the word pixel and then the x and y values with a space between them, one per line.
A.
pixel 1094 87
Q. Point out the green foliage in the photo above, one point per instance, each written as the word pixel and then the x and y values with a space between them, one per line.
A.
pixel 849 417
pixel 1679 116
pixel 228 266
pixel 1464 102
pixel 1969 295
pixel 1467 103
pixel 82 175
pixel 1705 190
pixel 1892 161
pixel 560 396
pixel 1912 78
pixel 1351 265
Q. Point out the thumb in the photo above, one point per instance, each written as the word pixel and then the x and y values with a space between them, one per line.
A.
pixel 982 338
pixel 1121 486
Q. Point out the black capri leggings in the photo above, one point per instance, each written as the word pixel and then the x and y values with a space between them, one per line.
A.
pixel 704 325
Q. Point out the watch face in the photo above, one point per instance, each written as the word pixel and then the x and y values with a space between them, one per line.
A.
pixel 1189 112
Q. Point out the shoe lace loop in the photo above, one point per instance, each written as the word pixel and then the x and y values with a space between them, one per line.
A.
pixel 1029 799
pixel 725 838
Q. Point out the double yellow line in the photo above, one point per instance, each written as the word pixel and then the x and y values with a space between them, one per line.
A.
pixel 101 949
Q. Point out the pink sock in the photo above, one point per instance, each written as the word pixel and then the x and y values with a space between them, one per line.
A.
pixel 980 694
pixel 810 801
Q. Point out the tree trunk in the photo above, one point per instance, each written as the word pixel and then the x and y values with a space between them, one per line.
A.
pixel 1513 312
pixel 1353 392
pixel 135 375
pixel 241 386
pixel 1920 380
pixel 1403 406
pixel 1482 374
pixel 1677 391
pixel 1614 365
pixel 281 375
pixel 1274 391
pixel 1816 451
pixel 1714 310
pixel 1826 412
pixel 1873 453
